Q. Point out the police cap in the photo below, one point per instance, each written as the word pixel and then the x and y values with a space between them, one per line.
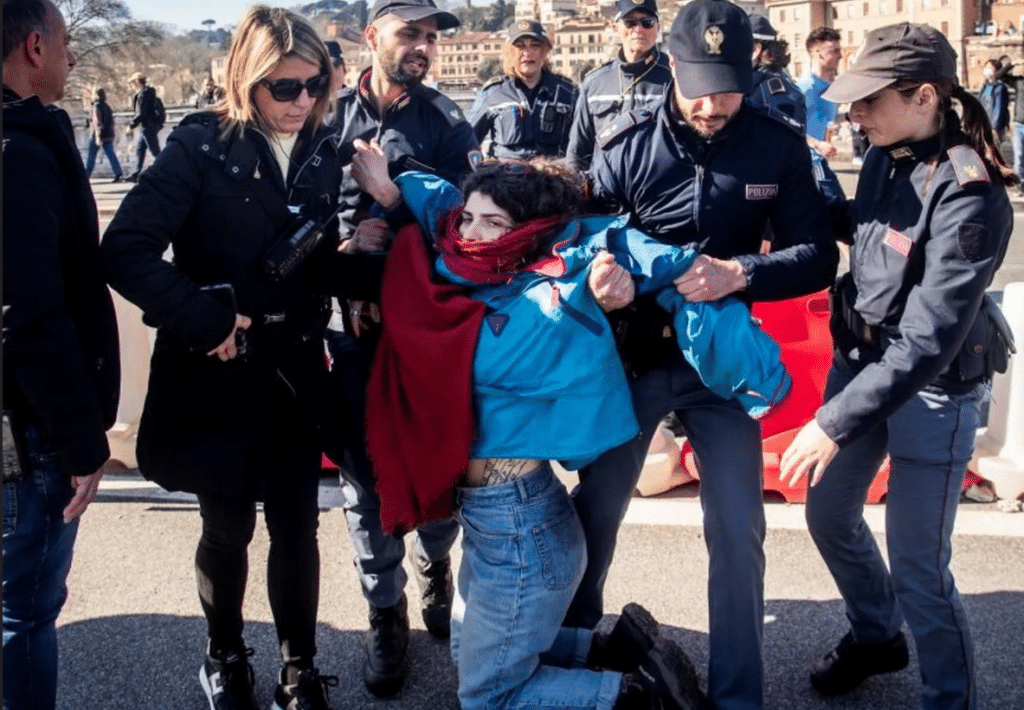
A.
pixel 412 10
pixel 624 7
pixel 527 28
pixel 894 53
pixel 711 43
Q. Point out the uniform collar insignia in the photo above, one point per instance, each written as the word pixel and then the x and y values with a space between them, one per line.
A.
pixel 900 153
pixel 714 38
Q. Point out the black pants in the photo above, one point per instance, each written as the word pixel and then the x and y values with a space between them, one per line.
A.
pixel 293 565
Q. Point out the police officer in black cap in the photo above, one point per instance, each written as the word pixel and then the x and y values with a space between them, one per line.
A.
pixel 917 341
pixel 636 78
pixel 774 92
pixel 416 128
pixel 529 111
pixel 705 169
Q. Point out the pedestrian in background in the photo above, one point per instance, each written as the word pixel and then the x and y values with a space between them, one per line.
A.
pixel 824 52
pixel 529 111
pixel 636 78
pixel 995 98
pixel 101 118
pixel 916 348
pixel 1011 73
pixel 61 369
pixel 337 64
pixel 418 128
pixel 685 175
pixel 145 118
pixel 238 372
pixel 210 96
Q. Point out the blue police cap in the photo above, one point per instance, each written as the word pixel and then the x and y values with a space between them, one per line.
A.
pixel 711 43
pixel 527 28
pixel 762 28
pixel 625 7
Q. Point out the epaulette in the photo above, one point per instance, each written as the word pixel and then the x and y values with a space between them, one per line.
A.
pixel 595 70
pixel 449 108
pixel 968 165
pixel 622 124
pixel 494 80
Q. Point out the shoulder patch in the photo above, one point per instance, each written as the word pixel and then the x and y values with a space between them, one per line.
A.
pixel 968 165
pixel 449 108
pixel 776 85
pixel 622 124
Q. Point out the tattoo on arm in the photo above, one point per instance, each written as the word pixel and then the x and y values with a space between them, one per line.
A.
pixel 498 471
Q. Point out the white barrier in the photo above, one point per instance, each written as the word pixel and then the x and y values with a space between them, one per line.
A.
pixel 999 448
pixel 136 348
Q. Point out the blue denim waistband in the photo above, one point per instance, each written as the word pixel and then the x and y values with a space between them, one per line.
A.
pixel 520 490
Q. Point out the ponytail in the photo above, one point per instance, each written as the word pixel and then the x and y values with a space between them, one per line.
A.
pixel 977 129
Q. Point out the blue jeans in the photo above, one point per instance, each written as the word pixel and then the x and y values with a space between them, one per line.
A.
pixel 108 149
pixel 523 556
pixel 930 440
pixel 1017 140
pixel 36 559
pixel 378 558
pixel 734 523
pixel 147 138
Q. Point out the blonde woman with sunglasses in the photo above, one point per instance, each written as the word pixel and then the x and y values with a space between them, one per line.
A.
pixel 238 363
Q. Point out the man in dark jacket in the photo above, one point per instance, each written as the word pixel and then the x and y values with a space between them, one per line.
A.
pixel 687 175
pixel 102 121
pixel 61 369
pixel 416 128
pixel 1012 74
pixel 636 78
pixel 142 108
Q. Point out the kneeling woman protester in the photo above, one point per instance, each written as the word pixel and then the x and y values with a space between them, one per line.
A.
pixel 494 358
pixel 917 341
pixel 238 363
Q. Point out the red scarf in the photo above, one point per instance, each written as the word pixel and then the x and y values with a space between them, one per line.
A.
pixel 496 261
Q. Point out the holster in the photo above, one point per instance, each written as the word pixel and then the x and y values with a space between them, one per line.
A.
pixel 644 337
pixel 988 346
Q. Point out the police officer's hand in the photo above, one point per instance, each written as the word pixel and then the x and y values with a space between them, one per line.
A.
pixel 827 150
pixel 709 279
pixel 811 452
pixel 610 284
pixel 227 350
pixel 370 235
pixel 370 171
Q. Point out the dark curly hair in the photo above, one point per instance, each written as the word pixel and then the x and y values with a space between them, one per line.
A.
pixel 530 189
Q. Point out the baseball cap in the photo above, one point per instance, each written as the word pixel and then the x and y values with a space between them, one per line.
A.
pixel 890 54
pixel 624 7
pixel 334 49
pixel 414 10
pixel 711 44
pixel 527 28
pixel 762 28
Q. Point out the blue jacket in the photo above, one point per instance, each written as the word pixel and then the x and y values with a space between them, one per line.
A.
pixel 995 97
pixel 548 382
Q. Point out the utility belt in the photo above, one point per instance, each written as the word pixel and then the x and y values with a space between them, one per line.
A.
pixel 986 349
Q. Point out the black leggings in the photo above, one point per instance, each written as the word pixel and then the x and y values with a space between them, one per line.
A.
pixel 293 565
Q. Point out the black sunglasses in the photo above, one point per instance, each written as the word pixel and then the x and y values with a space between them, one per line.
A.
pixel 646 22
pixel 291 89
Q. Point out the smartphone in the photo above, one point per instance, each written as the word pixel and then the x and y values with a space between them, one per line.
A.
pixel 225 293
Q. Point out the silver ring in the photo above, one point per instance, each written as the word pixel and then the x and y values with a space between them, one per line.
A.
pixel 355 313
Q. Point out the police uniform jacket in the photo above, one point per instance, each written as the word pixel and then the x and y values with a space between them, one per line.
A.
pixel 719 194
pixel 422 130
pixel 613 88
pixel 220 204
pixel 521 122
pixel 775 93
pixel 61 370
pixel 925 247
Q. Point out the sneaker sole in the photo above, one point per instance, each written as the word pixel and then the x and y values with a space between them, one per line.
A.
pixel 643 626
pixel 205 682
pixel 679 676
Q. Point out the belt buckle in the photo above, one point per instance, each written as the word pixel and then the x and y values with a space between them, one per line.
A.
pixel 868 335
pixel 269 318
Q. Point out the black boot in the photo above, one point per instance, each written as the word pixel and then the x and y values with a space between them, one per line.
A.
pixel 303 689
pixel 387 643
pixel 625 647
pixel 436 591
pixel 850 663
pixel 665 680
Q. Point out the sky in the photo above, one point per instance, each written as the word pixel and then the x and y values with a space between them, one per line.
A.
pixel 190 15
